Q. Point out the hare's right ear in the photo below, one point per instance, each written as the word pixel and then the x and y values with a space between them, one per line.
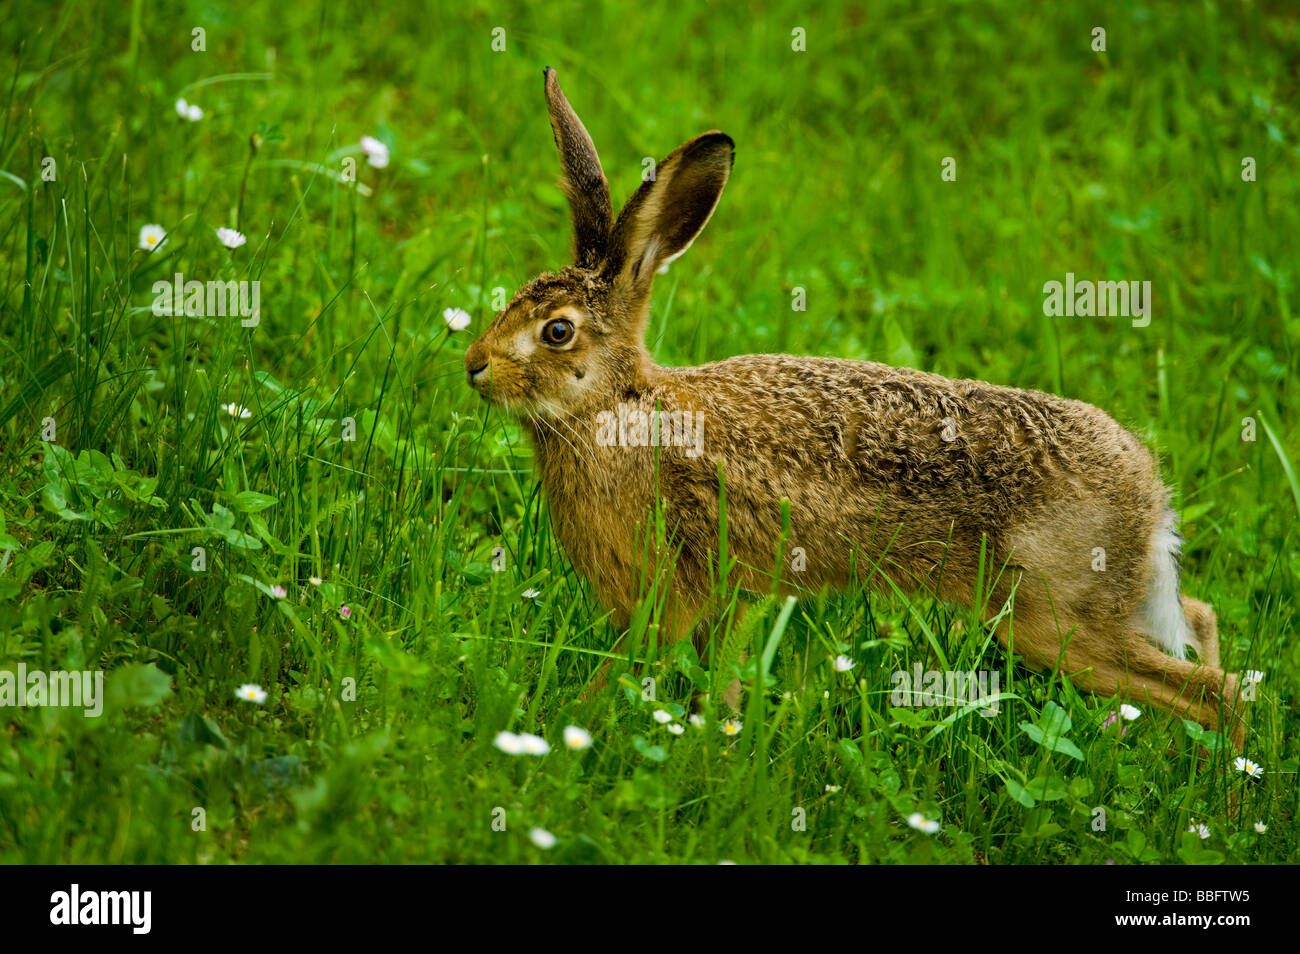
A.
pixel 666 213
pixel 581 178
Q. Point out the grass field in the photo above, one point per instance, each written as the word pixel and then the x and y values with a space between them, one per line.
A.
pixel 363 537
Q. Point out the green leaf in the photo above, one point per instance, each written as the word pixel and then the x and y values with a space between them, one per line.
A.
pixel 1202 736
pixel 56 502
pixel 221 519
pixel 1050 789
pixel 250 501
pixel 1020 793
pixel 241 540
pixel 138 684
pixel 1049 732
pixel 909 718
pixel 655 753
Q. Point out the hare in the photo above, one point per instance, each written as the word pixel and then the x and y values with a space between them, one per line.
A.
pixel 889 472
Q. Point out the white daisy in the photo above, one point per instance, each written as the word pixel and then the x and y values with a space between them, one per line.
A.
pixel 457 319
pixel 921 823
pixel 1202 830
pixel 576 738
pixel 509 743
pixel 542 838
pixel 843 664
pixel 732 727
pixel 696 720
pixel 533 744
pixel 1261 827
pixel 1129 712
pixel 677 728
pixel 376 152
pixel 251 693
pixel 188 111
pixel 230 238
pixel 315 580
pixel 278 592
pixel 662 717
pixel 1253 769
pixel 151 236
pixel 530 594
pixel 234 410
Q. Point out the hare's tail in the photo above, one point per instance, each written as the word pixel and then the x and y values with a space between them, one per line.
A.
pixel 1162 618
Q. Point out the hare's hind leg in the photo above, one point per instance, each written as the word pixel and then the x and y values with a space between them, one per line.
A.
pixel 1200 617
pixel 1199 691
pixel 1108 660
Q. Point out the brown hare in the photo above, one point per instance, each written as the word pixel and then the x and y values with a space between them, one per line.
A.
pixel 886 470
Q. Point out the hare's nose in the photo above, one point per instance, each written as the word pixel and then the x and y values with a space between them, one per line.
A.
pixel 476 360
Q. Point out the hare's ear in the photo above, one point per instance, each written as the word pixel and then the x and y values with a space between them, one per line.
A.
pixel 666 213
pixel 581 178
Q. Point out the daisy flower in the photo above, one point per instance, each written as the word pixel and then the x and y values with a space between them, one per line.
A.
pixel 234 410
pixel 151 236
pixel 696 720
pixel 251 693
pixel 533 744
pixel 315 580
pixel 376 152
pixel 1129 712
pixel 1253 769
pixel 677 728
pixel 1202 830
pixel 576 738
pixel 921 823
pixel 509 743
pixel 1261 827
pixel 188 111
pixel 278 592
pixel 230 238
pixel 662 717
pixel 843 664
pixel 457 318
pixel 732 727
pixel 530 594
pixel 542 838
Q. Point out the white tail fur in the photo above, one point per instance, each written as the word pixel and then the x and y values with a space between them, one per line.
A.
pixel 1162 618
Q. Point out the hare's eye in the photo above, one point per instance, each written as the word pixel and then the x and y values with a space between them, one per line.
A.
pixel 557 332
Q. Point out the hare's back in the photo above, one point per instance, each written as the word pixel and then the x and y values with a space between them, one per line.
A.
pixel 921 433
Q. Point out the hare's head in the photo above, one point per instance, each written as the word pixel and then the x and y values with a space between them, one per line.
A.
pixel 573 340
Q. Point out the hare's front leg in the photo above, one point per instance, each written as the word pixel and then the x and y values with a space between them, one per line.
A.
pixel 679 616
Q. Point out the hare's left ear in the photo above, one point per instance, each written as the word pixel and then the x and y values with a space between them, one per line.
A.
pixel 581 178
pixel 665 214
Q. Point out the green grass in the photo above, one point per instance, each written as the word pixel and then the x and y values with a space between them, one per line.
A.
pixel 376 740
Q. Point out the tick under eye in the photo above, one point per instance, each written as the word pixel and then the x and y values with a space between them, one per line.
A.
pixel 557 332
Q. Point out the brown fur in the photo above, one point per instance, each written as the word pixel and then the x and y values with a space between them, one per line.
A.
pixel 888 471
